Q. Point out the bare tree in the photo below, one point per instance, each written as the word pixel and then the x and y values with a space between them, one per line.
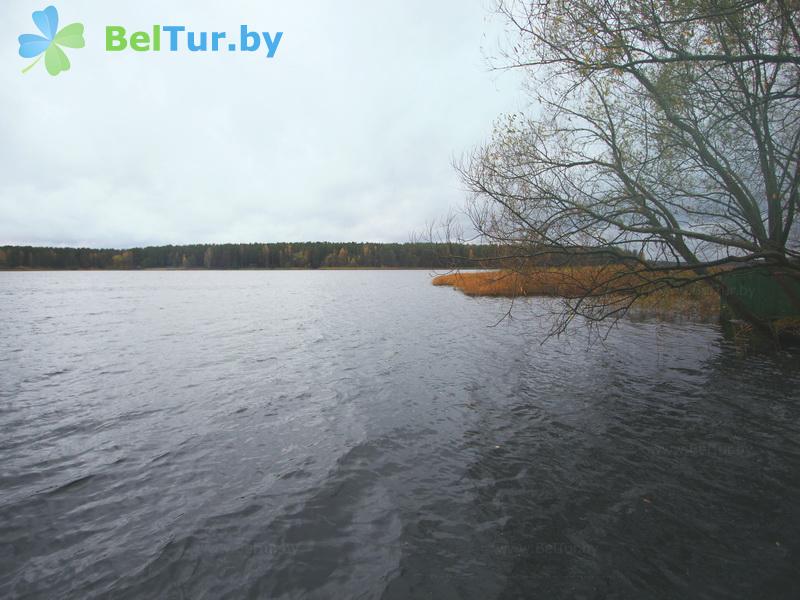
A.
pixel 670 129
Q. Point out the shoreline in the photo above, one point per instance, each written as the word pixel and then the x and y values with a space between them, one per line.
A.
pixel 151 269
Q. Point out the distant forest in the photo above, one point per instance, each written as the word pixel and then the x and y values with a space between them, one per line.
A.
pixel 308 255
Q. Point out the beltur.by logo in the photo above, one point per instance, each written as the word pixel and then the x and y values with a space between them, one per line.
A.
pixel 173 38
pixel 51 41
pixel 178 38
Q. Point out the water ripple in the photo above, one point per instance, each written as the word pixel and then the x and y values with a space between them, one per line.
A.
pixel 366 435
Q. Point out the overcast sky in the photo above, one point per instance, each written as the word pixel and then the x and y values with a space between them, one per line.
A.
pixel 347 134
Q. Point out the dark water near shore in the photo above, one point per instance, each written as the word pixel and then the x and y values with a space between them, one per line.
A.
pixel 367 435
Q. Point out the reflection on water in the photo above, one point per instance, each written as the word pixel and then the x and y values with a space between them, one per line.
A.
pixel 367 435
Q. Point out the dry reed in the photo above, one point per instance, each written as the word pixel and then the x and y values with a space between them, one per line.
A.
pixel 664 298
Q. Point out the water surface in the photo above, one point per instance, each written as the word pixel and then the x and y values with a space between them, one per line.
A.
pixel 367 435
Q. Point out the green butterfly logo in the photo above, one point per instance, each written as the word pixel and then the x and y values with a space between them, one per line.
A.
pixel 50 42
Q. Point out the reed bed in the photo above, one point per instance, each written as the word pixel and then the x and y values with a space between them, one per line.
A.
pixel 664 299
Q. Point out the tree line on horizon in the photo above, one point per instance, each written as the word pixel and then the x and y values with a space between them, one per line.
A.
pixel 304 255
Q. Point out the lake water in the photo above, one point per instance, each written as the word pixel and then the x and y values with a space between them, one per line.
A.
pixel 367 435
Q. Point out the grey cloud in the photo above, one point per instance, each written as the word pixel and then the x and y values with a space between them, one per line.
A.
pixel 347 134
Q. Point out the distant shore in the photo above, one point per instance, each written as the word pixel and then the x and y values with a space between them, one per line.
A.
pixel 253 256
pixel 200 269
